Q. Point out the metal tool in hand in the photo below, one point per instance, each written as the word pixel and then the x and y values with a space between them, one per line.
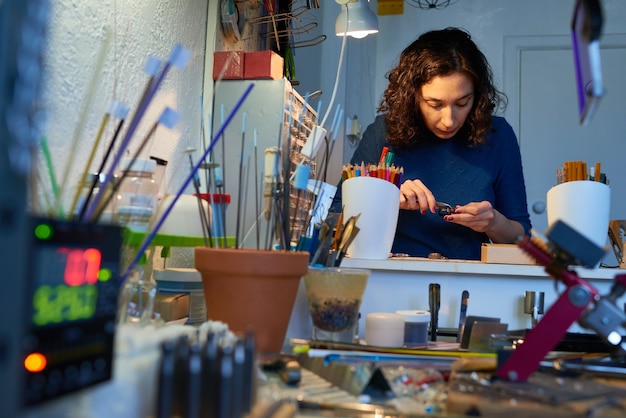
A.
pixel 444 209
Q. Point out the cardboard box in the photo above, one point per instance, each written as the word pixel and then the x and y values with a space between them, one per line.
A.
pixel 263 65
pixel 234 60
pixel 171 306
pixel 504 254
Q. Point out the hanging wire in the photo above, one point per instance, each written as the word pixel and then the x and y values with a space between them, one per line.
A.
pixel 279 17
pixel 296 30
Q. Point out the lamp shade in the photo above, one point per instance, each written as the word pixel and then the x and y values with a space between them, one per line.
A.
pixel 356 19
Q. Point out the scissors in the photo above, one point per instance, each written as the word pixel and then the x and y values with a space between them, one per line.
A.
pixel 444 209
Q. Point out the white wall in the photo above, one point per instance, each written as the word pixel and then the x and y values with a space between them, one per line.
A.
pixel 76 35
pixel 139 29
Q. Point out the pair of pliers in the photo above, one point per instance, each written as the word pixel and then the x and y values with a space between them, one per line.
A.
pixel 444 209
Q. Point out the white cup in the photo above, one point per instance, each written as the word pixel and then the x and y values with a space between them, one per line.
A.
pixel 584 205
pixel 378 202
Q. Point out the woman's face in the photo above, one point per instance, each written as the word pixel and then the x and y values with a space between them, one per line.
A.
pixel 445 102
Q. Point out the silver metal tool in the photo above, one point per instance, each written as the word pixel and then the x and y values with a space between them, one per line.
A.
pixel 444 209
pixel 533 305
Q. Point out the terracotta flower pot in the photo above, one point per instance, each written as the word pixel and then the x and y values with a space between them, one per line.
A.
pixel 248 288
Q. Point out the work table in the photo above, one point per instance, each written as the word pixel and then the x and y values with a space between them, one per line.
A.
pixel 496 290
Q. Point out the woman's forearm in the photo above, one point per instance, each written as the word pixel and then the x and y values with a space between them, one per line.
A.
pixel 504 230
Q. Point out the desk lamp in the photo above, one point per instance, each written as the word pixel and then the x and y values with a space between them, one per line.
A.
pixel 355 19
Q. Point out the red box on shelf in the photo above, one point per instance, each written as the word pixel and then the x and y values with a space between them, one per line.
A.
pixel 264 65
pixel 235 62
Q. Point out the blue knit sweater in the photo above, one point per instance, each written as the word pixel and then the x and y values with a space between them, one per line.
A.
pixel 456 174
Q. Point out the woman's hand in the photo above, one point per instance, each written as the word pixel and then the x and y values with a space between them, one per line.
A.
pixel 478 216
pixel 482 217
pixel 414 195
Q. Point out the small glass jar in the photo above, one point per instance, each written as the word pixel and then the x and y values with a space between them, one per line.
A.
pixel 137 299
pixel 136 198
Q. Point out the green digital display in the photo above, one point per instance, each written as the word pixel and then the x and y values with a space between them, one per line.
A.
pixel 62 303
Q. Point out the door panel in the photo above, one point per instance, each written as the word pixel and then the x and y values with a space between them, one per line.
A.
pixel 543 105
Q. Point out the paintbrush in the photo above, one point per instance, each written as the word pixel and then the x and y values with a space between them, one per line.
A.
pixel 246 183
pixel 240 203
pixel 81 183
pixel 323 245
pixel 50 166
pixel 121 111
pixel 257 204
pixel 338 228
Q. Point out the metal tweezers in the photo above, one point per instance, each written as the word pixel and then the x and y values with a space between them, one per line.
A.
pixel 444 209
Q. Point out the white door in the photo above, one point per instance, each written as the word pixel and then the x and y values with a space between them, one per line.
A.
pixel 540 83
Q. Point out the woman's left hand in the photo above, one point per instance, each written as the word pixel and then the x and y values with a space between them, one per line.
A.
pixel 482 217
pixel 479 216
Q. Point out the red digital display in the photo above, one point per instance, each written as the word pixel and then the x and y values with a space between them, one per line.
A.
pixel 81 266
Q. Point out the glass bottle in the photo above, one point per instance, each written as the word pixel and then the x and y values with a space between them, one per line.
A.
pixel 89 190
pixel 136 305
pixel 136 198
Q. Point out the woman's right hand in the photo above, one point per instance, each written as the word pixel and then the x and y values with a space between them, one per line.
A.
pixel 414 195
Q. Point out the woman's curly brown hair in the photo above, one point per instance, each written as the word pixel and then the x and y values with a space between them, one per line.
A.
pixel 438 53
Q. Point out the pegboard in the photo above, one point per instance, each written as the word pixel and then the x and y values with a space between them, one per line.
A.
pixel 276 114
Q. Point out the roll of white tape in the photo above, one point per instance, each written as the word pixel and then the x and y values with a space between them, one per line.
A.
pixel 384 329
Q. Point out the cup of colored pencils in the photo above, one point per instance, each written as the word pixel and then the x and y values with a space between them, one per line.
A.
pixel 577 170
pixel 385 171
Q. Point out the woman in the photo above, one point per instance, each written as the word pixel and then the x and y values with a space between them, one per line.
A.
pixel 438 121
